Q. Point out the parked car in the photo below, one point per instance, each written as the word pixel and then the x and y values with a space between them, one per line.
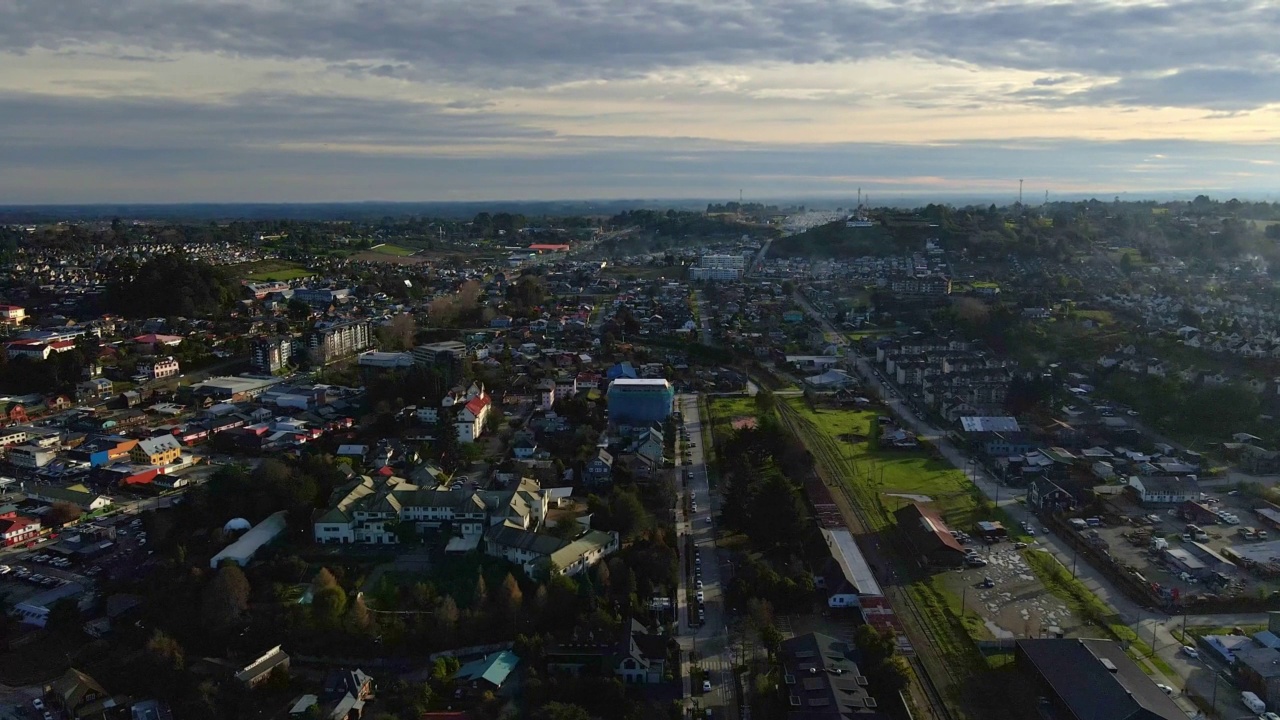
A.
pixel 706 686
pixel 1190 652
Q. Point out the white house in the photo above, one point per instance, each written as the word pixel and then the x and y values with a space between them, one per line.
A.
pixel 1164 490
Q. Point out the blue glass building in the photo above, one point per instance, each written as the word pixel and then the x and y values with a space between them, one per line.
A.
pixel 640 401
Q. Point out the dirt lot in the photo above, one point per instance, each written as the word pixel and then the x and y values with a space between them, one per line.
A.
pixel 1018 605
pixel 1130 542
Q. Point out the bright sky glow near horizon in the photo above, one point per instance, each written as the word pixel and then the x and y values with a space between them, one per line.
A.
pixel 332 100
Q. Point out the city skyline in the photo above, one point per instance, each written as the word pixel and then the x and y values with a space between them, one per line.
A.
pixel 404 100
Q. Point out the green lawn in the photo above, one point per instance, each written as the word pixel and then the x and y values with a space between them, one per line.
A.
pixel 724 410
pixel 266 270
pixel 881 474
pixel 397 250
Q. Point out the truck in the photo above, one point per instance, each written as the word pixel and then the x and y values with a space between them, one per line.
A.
pixel 1248 533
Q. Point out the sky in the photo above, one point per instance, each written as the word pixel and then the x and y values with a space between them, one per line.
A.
pixel 438 100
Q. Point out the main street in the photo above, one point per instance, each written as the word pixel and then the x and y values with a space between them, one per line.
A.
pixel 702 636
pixel 1153 627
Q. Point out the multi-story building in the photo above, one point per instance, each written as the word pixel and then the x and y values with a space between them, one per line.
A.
pixel 30 456
pixel 163 368
pixel 16 529
pixel 719 267
pixel 369 510
pixel 471 410
pixel 444 357
pixel 269 354
pixel 12 314
pixel 330 342
pixel 640 401
pixel 161 450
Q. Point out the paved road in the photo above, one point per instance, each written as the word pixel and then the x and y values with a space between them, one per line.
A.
pixel 1154 627
pixel 709 639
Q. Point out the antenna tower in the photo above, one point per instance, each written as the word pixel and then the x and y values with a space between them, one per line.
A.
pixel 1019 192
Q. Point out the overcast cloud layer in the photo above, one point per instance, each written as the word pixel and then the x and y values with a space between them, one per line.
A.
pixel 303 100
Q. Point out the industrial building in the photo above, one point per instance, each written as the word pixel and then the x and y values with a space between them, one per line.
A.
pixel 241 551
pixel 1088 679
pixel 718 267
pixel 640 401
pixel 929 536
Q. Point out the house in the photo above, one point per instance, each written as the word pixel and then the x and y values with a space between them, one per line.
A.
pixel 18 529
pixel 490 673
pixel 260 670
pixel 637 657
pixel 1045 495
pixel 348 682
pixel 95 390
pixel 1155 490
pixel 471 418
pixel 1090 679
pixel 651 447
pixel 929 536
pixel 162 368
pixel 524 447
pixel 79 696
pixel 599 470
pixel 822 682
pixel 77 495
pixel 161 450
pixel 546 394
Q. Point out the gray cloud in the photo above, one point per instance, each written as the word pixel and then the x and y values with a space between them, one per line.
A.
pixel 188 152
pixel 497 43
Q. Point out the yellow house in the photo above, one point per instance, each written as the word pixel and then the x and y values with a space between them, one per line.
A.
pixel 160 450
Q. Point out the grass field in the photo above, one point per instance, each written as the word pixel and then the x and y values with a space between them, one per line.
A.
pixel 881 475
pixel 397 250
pixel 724 410
pixel 266 270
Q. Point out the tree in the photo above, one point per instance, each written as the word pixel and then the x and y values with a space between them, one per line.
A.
pixel 328 606
pixel 481 592
pixel 359 619
pixel 508 598
pixel 226 598
pixel 561 711
pixel 60 514
pixel 298 310
pixel 64 617
pixel 165 652
pixel 1126 264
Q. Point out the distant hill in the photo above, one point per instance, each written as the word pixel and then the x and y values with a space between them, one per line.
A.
pixel 834 240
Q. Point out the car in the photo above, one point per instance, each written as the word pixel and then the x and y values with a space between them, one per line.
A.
pixel 706 686
pixel 699 585
pixel 708 519
pixel 976 562
pixel 1191 652
pixel 5 569
pixel 37 704
pixel 1019 545
pixel 1165 688
pixel 48 715
pixel 700 596
pixel 988 582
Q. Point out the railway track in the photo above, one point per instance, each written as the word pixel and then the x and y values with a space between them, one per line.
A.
pixel 925 662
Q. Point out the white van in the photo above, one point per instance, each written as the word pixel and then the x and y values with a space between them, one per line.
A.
pixel 1253 702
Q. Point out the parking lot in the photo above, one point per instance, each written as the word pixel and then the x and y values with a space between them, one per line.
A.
pixel 1014 603
pixel 54 563
pixel 1131 534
